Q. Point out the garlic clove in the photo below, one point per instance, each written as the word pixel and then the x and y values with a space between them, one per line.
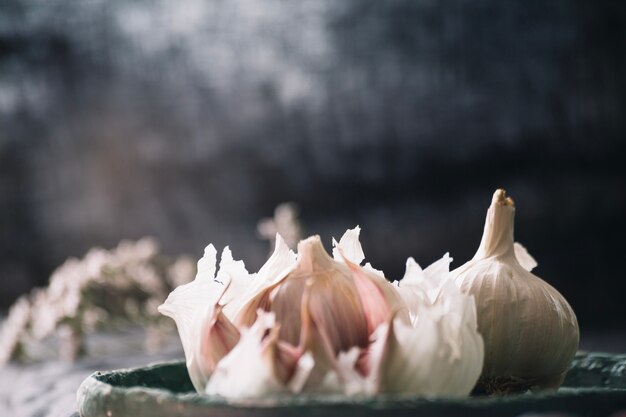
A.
pixel 283 357
pixel 185 305
pixel 434 356
pixel 338 310
pixel 376 295
pixel 469 362
pixel 217 337
pixel 324 376
pixel 441 351
pixel 333 302
pixel 406 364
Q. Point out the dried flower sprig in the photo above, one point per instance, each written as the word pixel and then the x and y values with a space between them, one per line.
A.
pixel 105 288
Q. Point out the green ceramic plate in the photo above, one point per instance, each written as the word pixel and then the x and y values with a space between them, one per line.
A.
pixel 595 385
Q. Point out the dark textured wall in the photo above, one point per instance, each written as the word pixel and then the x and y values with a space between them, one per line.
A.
pixel 190 120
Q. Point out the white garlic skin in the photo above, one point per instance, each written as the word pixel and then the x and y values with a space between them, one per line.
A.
pixel 530 331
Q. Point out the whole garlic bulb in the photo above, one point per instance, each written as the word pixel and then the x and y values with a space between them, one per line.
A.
pixel 530 331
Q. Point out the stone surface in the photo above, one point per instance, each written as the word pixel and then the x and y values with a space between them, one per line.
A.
pixel 595 386
pixel 48 388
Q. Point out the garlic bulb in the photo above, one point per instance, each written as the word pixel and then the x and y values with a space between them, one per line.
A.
pixel 321 324
pixel 530 331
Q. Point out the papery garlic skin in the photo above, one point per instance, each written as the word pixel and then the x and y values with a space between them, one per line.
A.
pixel 443 331
pixel 530 331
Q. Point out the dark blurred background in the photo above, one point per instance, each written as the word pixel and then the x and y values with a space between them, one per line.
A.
pixel 190 121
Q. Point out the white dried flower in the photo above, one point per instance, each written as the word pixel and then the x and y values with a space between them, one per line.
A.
pixel 13 328
pixel 122 283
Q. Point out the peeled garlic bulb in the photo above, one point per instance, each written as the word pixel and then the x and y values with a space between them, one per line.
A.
pixel 530 331
pixel 316 324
